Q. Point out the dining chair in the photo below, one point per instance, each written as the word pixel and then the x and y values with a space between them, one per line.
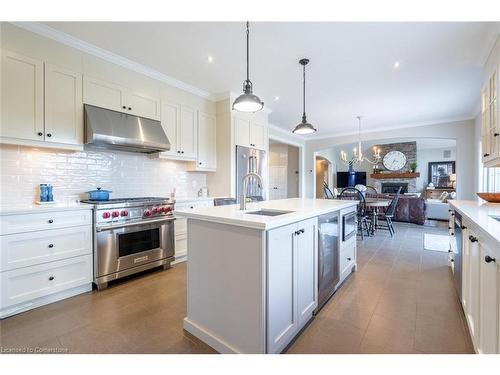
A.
pixel 327 192
pixel 350 193
pixel 371 192
pixel 388 215
pixel 224 201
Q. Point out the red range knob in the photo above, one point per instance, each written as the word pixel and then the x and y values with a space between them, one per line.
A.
pixel 156 209
pixel 115 213
pixel 124 213
pixel 167 209
pixel 147 213
pixel 106 215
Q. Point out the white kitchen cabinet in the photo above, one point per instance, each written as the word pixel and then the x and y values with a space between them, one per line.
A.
pixel 181 126
pixel 291 281
pixel 45 257
pixel 118 98
pixel 249 133
pixel 22 97
pixel 490 129
pixel 63 106
pixel 474 282
pixel 489 301
pixel 206 156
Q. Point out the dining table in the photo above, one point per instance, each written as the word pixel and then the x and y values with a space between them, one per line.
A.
pixel 374 205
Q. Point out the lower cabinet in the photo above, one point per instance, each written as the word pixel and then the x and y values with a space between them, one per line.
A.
pixel 481 290
pixel 291 282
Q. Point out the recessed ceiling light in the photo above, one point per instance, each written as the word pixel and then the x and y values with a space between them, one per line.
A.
pixel 396 64
pixel 276 98
pixel 210 59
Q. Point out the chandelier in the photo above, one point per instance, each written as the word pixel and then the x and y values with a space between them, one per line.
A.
pixel 358 157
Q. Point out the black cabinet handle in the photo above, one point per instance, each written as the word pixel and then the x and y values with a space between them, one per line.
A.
pixel 51 278
pixel 464 227
pixel 489 259
pixel 485 155
pixel 124 107
pixel 496 134
pixel 301 230
pixel 349 259
pixel 51 245
pixel 182 152
pixel 450 228
pixel 40 134
pixel 51 221
pixel 472 238
pixel 191 206
pixel 49 135
pixel 129 108
pixel 199 163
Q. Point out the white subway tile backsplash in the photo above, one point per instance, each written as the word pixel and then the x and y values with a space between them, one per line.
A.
pixel 74 173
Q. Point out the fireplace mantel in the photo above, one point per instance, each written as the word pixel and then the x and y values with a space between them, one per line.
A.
pixel 384 176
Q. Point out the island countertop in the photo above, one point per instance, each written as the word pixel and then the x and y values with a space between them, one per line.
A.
pixel 301 209
pixel 481 214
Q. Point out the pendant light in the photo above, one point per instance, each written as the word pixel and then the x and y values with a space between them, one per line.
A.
pixel 248 102
pixel 304 127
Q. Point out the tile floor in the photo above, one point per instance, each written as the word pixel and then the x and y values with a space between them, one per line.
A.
pixel 401 300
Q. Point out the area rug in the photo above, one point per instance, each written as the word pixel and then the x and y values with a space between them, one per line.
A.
pixel 436 242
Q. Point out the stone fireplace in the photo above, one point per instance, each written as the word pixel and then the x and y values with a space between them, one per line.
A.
pixel 392 187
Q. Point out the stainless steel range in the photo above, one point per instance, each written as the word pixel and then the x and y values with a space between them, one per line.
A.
pixel 130 236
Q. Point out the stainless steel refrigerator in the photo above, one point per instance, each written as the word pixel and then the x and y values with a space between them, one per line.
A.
pixel 251 160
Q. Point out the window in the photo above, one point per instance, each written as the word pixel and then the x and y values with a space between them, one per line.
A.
pixel 491 180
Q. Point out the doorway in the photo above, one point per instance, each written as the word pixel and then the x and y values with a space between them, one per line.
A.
pixel 283 170
pixel 323 175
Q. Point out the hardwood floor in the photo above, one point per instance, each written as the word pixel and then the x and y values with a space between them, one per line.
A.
pixel 401 300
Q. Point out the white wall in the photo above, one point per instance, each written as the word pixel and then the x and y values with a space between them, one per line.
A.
pixel 461 131
pixel 74 173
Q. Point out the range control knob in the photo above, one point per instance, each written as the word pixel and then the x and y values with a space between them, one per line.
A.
pixel 155 209
pixel 147 213
pixel 167 209
pixel 124 213
pixel 115 213
pixel 106 215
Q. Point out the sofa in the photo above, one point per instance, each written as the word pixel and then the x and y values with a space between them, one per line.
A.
pixel 437 209
pixel 410 209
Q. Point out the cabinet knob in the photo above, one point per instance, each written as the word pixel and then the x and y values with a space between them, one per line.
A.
pixel 485 155
pixel 51 278
pixel 129 108
pixel 199 163
pixel 496 134
pixel 472 238
pixel 51 245
pixel 51 221
pixel 489 259
pixel 49 135
pixel 464 227
pixel 191 206
pixel 124 107
pixel 301 230
pixel 297 232
pixel 178 152
pixel 182 152
pixel 40 134
pixel 349 259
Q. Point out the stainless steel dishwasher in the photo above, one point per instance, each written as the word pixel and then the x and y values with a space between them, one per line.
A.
pixel 328 257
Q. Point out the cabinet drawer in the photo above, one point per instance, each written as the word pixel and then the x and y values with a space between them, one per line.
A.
pixel 42 221
pixel 29 283
pixel 347 256
pixel 29 249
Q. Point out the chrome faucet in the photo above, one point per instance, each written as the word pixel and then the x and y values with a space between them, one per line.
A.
pixel 244 183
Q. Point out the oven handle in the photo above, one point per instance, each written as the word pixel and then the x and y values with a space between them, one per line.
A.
pixel 135 223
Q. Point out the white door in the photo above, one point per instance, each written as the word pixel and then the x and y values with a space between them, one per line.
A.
pixel 104 94
pixel 474 280
pixel 277 182
pixel 187 134
pixel 170 121
pixel 63 106
pixel 22 97
pixel 242 132
pixel 257 136
pixel 489 300
pixel 143 106
pixel 282 288
pixel 207 153
pixel 306 278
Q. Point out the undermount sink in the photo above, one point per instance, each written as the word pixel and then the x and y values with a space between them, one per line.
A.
pixel 497 218
pixel 269 212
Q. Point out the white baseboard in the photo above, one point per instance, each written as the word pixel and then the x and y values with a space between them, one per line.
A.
pixel 208 338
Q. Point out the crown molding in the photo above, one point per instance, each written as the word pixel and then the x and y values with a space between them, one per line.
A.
pixel 299 139
pixel 389 128
pixel 71 41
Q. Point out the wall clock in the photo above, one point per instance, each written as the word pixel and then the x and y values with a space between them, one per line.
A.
pixel 394 160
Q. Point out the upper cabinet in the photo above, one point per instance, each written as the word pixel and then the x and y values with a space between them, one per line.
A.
pixel 206 159
pixel 41 103
pixel 490 132
pixel 118 98
pixel 249 133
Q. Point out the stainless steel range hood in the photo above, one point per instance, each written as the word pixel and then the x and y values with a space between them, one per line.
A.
pixel 121 131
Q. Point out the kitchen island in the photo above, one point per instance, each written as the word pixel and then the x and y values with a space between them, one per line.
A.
pixel 252 279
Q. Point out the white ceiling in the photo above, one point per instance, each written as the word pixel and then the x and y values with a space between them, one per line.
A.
pixel 351 70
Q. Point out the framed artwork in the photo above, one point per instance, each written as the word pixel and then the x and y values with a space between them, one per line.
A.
pixel 440 172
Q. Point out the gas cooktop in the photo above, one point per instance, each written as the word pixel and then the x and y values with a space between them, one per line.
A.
pixel 126 200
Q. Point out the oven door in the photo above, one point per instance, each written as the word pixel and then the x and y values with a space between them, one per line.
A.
pixel 124 247
pixel 349 225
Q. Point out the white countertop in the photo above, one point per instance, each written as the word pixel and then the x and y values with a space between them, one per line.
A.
pixel 303 208
pixel 193 199
pixel 38 208
pixel 479 213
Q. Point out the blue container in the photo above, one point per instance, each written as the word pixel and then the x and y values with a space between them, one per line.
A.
pixel 98 195
pixel 50 195
pixel 44 193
